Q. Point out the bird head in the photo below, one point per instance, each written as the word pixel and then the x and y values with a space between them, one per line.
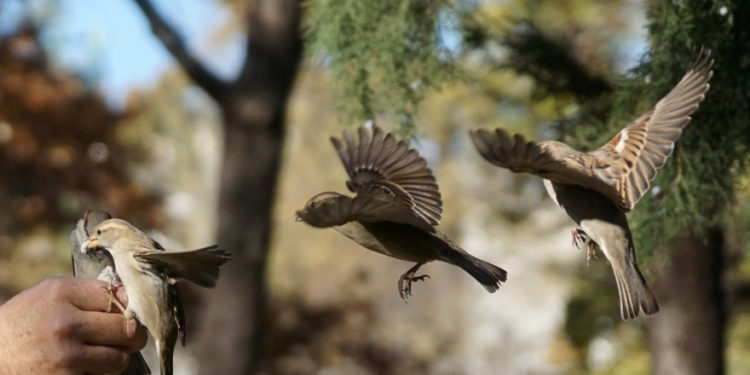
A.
pixel 108 232
pixel 324 210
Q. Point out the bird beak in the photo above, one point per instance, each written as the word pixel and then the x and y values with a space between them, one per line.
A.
pixel 90 244
pixel 297 218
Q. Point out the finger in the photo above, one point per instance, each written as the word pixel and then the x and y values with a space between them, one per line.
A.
pixel 93 295
pixel 102 360
pixel 97 328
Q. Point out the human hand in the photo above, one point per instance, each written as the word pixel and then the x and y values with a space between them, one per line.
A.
pixel 60 326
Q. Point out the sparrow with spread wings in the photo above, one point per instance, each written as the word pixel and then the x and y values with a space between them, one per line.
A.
pixel 396 209
pixel 596 189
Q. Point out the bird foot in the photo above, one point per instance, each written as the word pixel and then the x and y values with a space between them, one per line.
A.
pixel 109 276
pixel 404 283
pixel 110 288
pixel 581 239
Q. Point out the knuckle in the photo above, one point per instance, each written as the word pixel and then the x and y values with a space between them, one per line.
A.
pixel 55 286
pixel 63 327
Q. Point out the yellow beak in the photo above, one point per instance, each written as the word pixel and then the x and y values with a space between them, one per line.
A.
pixel 92 243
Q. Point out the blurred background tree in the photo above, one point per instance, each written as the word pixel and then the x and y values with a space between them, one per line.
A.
pixel 199 148
pixel 58 152
pixel 252 107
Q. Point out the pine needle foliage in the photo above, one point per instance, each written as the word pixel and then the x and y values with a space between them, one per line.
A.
pixel 383 55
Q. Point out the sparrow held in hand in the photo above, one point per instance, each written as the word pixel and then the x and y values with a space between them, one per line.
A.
pixel 396 209
pixel 149 274
pixel 99 265
pixel 597 188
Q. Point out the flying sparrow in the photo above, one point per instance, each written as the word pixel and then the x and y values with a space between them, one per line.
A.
pixel 596 189
pixel 99 265
pixel 396 209
pixel 149 274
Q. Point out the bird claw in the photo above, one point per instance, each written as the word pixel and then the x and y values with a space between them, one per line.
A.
pixel 110 288
pixel 580 238
pixel 404 283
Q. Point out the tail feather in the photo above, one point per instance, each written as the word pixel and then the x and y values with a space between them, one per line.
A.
pixel 165 357
pixel 198 266
pixel 488 274
pixel 137 366
pixel 635 295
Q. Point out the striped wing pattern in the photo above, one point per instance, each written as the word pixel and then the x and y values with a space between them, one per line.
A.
pixel 380 160
pixel 636 153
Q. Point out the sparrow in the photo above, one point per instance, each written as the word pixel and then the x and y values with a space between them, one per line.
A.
pixel 99 265
pixel 396 208
pixel 596 189
pixel 149 274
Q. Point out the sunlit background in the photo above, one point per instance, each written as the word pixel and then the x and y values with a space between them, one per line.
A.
pixel 96 113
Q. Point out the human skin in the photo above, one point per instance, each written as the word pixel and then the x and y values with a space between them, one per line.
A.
pixel 60 326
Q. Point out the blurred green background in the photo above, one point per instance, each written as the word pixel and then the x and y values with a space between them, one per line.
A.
pixel 217 131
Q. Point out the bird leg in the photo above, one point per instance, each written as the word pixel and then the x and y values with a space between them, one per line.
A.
pixel 580 238
pixel 110 277
pixel 404 282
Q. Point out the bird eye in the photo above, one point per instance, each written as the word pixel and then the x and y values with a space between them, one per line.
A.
pixel 313 204
pixel 99 232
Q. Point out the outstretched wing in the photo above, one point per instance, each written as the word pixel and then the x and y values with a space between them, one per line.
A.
pixel 549 159
pixel 372 204
pixel 199 266
pixel 640 149
pixel 383 161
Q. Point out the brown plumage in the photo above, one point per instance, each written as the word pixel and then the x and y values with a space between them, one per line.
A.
pixel 395 210
pixel 597 188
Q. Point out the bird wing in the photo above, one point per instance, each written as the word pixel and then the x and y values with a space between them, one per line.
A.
pixel 522 156
pixel 178 313
pixel 199 266
pixel 372 204
pixel 635 154
pixel 384 201
pixel 382 160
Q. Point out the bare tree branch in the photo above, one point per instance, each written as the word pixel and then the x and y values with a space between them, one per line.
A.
pixel 203 77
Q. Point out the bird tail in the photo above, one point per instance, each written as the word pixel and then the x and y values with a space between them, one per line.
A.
pixel 635 294
pixel 165 358
pixel 137 366
pixel 488 274
pixel 198 266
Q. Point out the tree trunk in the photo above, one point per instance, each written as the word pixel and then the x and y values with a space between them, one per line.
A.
pixel 687 335
pixel 231 327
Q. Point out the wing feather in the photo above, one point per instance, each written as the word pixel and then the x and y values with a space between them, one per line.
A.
pixel 378 158
pixel 641 148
